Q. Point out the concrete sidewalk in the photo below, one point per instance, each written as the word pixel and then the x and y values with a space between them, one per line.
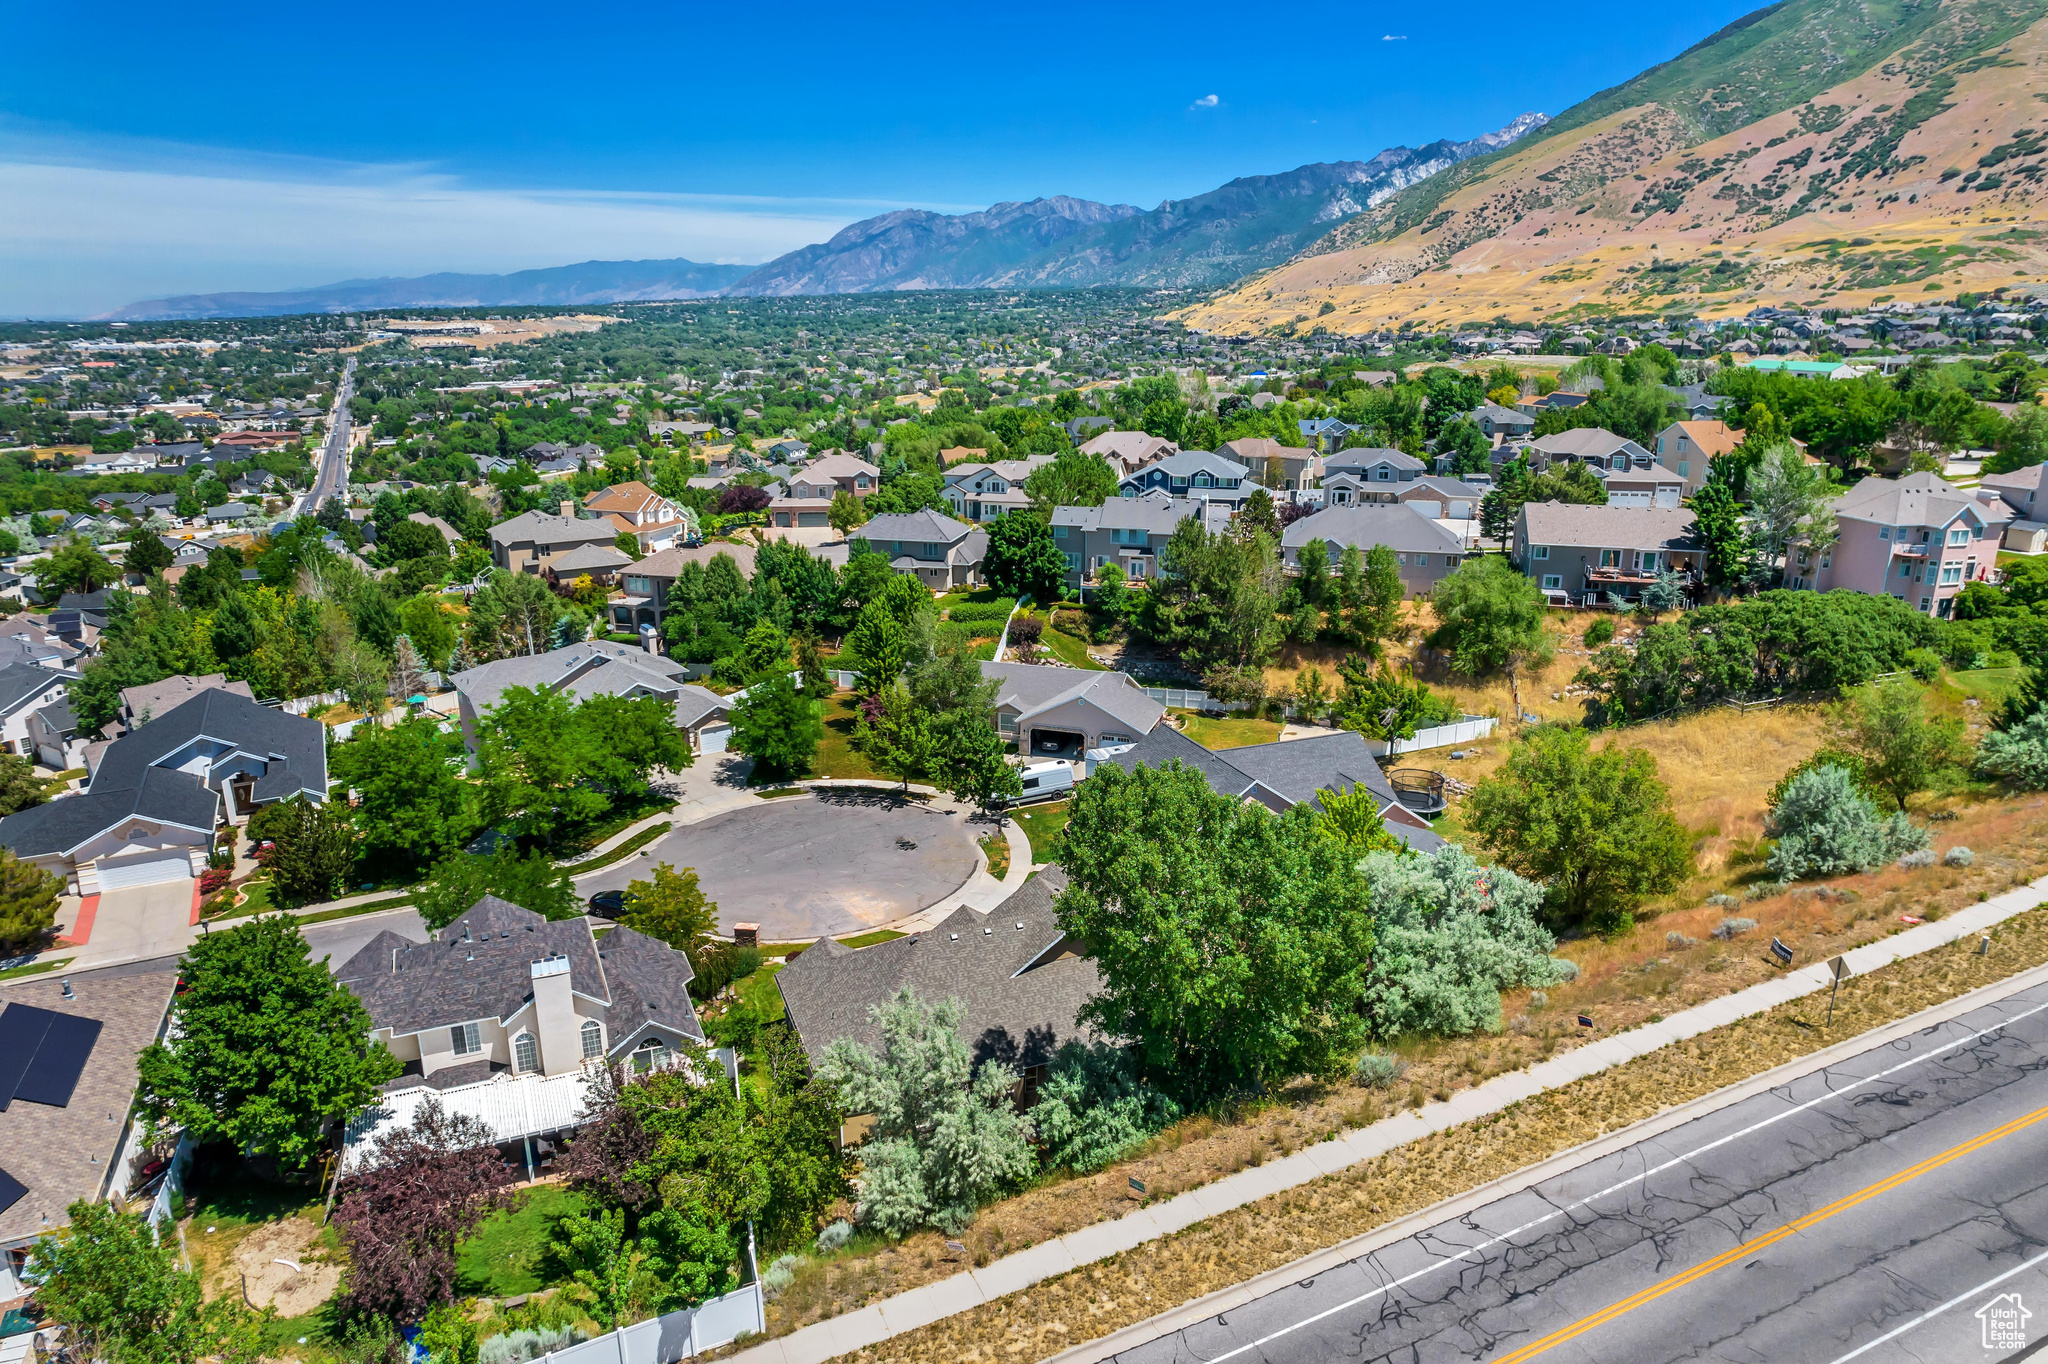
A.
pixel 963 1292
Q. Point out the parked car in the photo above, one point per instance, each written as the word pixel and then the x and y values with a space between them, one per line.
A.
pixel 1042 781
pixel 608 904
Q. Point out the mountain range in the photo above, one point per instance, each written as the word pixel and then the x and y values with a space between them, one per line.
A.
pixel 1828 153
pixel 1250 224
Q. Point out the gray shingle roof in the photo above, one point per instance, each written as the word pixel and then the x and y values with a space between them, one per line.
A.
pixel 1397 525
pixel 1188 463
pixel 593 668
pixel 1586 440
pixel 1022 988
pixel 1610 527
pixel 1915 500
pixel 923 526
pixel 1351 461
pixel 24 683
pixel 152 699
pixel 1034 687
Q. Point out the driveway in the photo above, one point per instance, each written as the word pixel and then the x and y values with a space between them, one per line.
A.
pixel 816 865
pixel 141 922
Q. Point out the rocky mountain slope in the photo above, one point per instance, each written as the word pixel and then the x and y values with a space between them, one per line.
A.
pixel 1249 224
pixel 594 281
pixel 1835 152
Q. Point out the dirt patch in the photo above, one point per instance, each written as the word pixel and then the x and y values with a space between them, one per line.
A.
pixel 1638 978
pixel 1092 1302
pixel 282 1264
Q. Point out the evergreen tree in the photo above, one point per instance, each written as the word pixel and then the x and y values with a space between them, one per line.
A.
pixel 28 903
pixel 315 848
pixel 147 554
pixel 778 726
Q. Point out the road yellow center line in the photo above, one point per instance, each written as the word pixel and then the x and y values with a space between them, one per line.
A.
pixel 1749 1248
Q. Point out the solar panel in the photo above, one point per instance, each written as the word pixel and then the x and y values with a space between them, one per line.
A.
pixel 11 1190
pixel 60 1060
pixel 21 1032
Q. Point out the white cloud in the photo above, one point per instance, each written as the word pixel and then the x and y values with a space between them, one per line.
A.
pixel 1393 37
pixel 1205 102
pixel 80 236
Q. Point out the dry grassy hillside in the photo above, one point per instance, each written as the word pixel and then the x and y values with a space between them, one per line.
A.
pixel 1922 175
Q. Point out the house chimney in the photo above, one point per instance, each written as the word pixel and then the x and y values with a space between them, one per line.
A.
pixel 569 510
pixel 555 1022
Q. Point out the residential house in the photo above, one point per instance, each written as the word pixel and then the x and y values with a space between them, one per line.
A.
pixel 1593 446
pixel 1917 538
pixel 599 563
pixel 1584 553
pixel 1129 451
pixel 140 705
pixel 554 470
pixel 1277 467
pixel 1280 776
pixel 1688 448
pixel 449 534
pixel 1559 401
pixel 938 551
pixel 786 451
pixel 597 668
pixel 1426 550
pixel 641 603
pixel 25 689
pixel 55 738
pixel 1064 712
pixel 228 513
pixel 1374 475
pixel 983 491
pixel 2025 491
pixel 1499 423
pixel 526 542
pixel 1440 498
pixel 1193 473
pixel 505 992
pixel 1655 486
pixel 1126 531
pixel 1022 980
pixel 155 795
pixel 835 473
pixel 1325 433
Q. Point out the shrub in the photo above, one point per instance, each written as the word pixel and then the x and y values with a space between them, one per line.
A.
pixel 1921 857
pixel 212 879
pixel 1958 856
pixel 1026 630
pixel 1825 827
pixel 1722 901
pixel 1924 664
pixel 2018 754
pixel 1538 999
pixel 1377 1070
pixel 1733 928
pixel 834 1236
pixel 517 1347
pixel 983 612
pixel 780 1274
pixel 1677 939
pixel 1093 1108
pixel 1599 632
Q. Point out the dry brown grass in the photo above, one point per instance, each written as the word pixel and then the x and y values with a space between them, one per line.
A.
pixel 1278 1230
pixel 1631 980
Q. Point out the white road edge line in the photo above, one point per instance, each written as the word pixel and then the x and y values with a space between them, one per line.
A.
pixel 1587 1201
pixel 1934 1312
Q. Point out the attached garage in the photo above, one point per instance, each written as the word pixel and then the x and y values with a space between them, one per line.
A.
pixel 143 869
pixel 813 519
pixel 713 738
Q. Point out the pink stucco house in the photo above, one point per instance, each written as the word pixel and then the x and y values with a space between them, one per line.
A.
pixel 1917 538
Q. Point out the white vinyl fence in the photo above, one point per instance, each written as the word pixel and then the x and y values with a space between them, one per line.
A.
pixel 1467 730
pixel 173 1183
pixel 674 1335
pixel 1182 698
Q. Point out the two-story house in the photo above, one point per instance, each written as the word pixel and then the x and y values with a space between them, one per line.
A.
pixel 1917 538
pixel 2025 491
pixel 1426 550
pixel 835 473
pixel 1582 553
pixel 653 520
pixel 1375 475
pixel 1277 467
pixel 1128 451
pixel 1193 473
pixel 938 551
pixel 641 603
pixel 982 491
pixel 1325 433
pixel 1499 423
pixel 1593 446
pixel 1126 531
pixel 526 542
pixel 1440 498
pixel 1689 448
pixel 1655 486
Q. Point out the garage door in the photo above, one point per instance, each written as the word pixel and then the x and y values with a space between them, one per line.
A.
pixel 146 871
pixel 712 738
pixel 813 519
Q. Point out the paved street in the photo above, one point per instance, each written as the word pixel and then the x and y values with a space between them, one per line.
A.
pixel 331 478
pixel 811 866
pixel 1865 1212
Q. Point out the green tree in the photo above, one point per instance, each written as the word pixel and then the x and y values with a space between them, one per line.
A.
pixel 2018 753
pixel 1257 517
pixel 878 647
pixel 778 726
pixel 1375 614
pixel 615 1274
pixel 75 567
pixel 314 849
pixel 1904 750
pixel 1352 820
pixel 896 735
pixel 1022 558
pixel 1595 827
pixel 671 906
pixel 1497 513
pixel 946 1134
pixel 266 1048
pixel 28 903
pixel 1312 571
pixel 20 787
pixel 147 554
pixel 1719 519
pixel 448 1333
pixel 413 803
pixel 847 513
pixel 1071 480
pixel 532 882
pixel 1823 825
pixel 1232 942
pixel 118 1291
pixel 532 759
pixel 514 614
pixel 1791 503
pixel 1490 617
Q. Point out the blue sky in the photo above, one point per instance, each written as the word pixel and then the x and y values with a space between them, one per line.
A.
pixel 239 146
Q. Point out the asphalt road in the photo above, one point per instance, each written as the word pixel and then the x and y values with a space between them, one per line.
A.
pixel 814 866
pixel 1865 1212
pixel 331 479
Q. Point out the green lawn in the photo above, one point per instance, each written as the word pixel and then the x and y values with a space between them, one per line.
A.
pixel 1228 733
pixel 1042 824
pixel 628 848
pixel 507 1254
pixel 1069 650
pixel 758 993
pixel 1989 685
pixel 34 968
pixel 836 757
pixel 979 596
pixel 858 940
pixel 257 899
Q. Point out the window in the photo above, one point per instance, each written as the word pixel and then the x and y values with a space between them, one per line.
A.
pixel 1059 532
pixel 465 1039
pixel 1203 480
pixel 1685 468
pixel 1884 532
pixel 1073 562
pixel 1384 473
pixel 650 1055
pixel 1401 559
pixel 1539 551
pixel 1905 569
pixel 639 586
pixel 1179 481
pixel 1649 562
pixel 1422 561
pixel 1926 603
pixel 1610 558
pixel 525 1055
pixel 1450 561
pixel 1953 573
pixel 1130 490
pixel 1959 536
pixel 593 1039
pixel 929 551
pixel 1827 560
pixel 1553 582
